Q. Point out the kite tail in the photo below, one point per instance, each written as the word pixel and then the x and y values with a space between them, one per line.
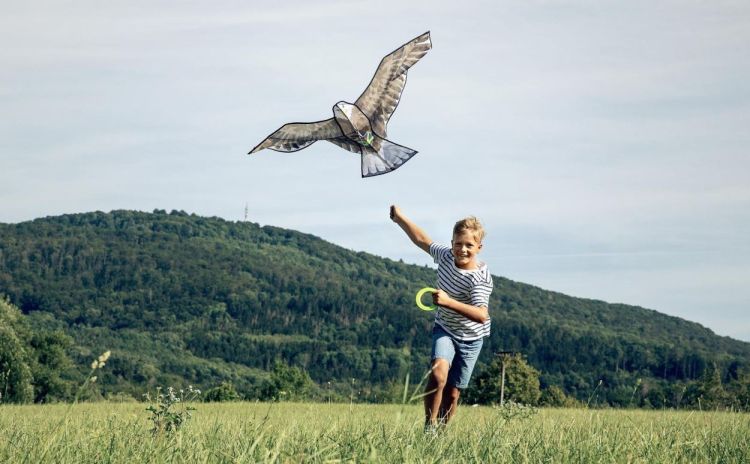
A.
pixel 389 157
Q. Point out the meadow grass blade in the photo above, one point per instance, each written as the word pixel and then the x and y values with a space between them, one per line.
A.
pixel 406 388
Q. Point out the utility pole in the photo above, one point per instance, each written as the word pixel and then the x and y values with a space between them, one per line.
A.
pixel 503 355
pixel 245 212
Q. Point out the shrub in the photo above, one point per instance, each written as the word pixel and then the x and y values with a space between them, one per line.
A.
pixel 169 411
pixel 223 392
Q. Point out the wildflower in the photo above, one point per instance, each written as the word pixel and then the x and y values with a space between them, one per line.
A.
pixel 194 391
pixel 101 360
pixel 166 416
pixel 105 356
pixel 93 379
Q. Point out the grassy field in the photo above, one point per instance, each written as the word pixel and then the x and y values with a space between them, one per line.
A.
pixel 288 432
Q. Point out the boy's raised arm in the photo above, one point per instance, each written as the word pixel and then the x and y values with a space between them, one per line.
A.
pixel 415 233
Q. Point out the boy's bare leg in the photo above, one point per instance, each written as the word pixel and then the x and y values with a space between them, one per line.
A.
pixel 449 403
pixel 434 390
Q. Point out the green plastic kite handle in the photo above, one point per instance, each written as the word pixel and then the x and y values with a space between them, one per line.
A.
pixel 421 305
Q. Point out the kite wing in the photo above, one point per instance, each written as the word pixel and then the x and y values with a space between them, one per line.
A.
pixel 381 97
pixel 298 135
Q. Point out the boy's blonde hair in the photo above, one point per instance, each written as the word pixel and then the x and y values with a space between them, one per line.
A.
pixel 471 224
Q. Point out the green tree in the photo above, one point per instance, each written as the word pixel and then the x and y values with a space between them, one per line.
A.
pixel 521 382
pixel 707 392
pixel 739 389
pixel 713 394
pixel 15 374
pixel 49 366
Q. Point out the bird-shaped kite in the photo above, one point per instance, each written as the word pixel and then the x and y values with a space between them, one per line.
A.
pixel 361 127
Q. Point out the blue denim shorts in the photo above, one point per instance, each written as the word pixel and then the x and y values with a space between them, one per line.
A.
pixel 461 356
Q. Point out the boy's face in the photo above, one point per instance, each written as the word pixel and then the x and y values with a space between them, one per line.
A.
pixel 465 249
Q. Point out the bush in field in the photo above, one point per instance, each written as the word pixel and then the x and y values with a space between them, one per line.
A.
pixel 510 410
pixel 224 392
pixel 555 397
pixel 169 411
pixel 287 383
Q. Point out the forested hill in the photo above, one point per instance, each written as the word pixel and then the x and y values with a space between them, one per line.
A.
pixel 183 298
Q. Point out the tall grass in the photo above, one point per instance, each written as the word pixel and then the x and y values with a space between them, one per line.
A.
pixel 304 432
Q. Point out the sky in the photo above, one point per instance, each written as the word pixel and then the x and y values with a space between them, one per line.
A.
pixel 604 145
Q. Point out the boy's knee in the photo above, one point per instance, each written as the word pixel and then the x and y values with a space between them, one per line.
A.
pixel 452 393
pixel 440 379
pixel 440 372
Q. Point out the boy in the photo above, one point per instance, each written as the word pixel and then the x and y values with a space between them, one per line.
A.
pixel 461 320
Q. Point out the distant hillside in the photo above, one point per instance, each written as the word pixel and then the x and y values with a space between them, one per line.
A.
pixel 182 298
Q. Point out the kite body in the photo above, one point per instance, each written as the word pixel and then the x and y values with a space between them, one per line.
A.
pixel 361 127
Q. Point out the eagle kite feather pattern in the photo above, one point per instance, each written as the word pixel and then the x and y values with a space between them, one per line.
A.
pixel 361 127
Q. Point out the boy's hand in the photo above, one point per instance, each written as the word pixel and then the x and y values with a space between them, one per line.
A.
pixel 441 298
pixel 395 213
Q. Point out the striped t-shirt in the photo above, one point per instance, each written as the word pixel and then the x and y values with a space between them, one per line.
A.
pixel 470 287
